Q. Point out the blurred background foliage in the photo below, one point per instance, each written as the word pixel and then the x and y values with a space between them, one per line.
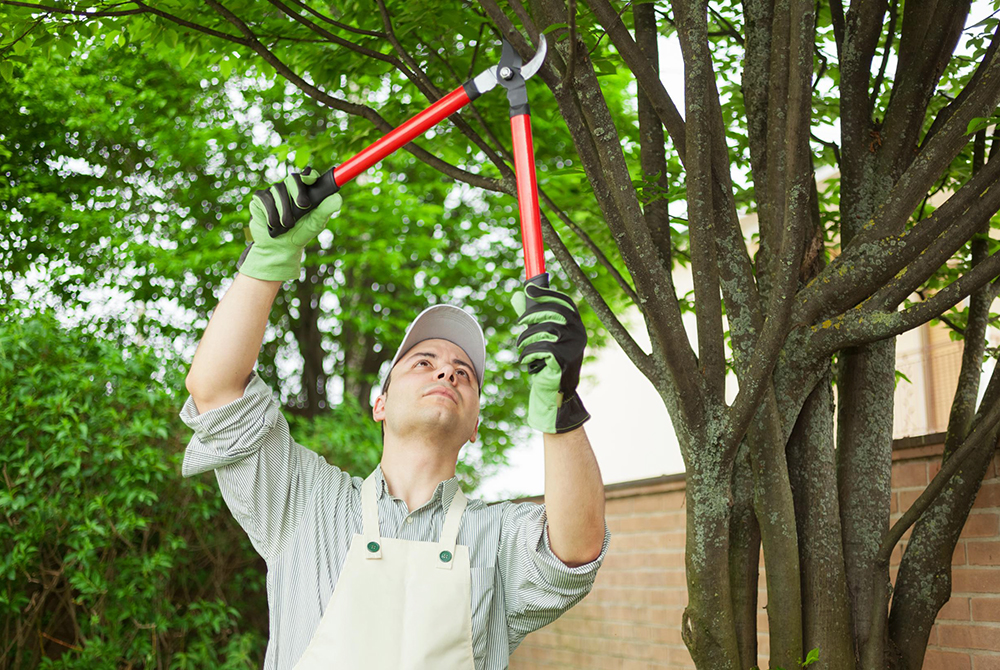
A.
pixel 110 559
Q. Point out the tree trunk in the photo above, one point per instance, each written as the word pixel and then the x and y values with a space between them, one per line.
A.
pixel 864 464
pixel 775 511
pixel 826 613
pixel 312 400
pixel 744 558
pixel 707 625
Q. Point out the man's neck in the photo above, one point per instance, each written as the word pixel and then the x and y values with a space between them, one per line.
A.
pixel 411 474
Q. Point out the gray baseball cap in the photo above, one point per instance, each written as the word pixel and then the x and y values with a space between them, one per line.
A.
pixel 446 322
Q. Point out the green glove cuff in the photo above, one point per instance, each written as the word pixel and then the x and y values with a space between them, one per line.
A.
pixel 548 409
pixel 270 264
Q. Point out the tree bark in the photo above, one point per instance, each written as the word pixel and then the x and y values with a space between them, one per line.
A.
pixel 826 612
pixel 744 558
pixel 865 389
pixel 707 625
pixel 775 511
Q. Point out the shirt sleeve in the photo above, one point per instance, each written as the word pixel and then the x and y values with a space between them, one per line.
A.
pixel 265 477
pixel 538 587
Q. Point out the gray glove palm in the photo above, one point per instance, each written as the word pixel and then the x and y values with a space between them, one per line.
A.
pixel 283 220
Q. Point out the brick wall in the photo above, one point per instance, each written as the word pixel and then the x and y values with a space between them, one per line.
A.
pixel 631 619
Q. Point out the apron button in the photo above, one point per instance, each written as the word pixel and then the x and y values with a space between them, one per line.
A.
pixel 373 547
pixel 445 556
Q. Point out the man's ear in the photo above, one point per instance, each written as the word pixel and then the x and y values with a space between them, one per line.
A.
pixel 378 411
pixel 475 431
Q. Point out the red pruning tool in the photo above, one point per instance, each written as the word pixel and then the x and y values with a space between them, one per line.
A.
pixel 510 74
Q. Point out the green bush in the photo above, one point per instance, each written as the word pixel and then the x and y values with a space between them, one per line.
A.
pixel 108 557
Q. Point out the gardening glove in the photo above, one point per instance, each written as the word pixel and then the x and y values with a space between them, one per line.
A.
pixel 552 346
pixel 283 220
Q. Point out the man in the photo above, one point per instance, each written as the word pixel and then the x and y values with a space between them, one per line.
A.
pixel 397 570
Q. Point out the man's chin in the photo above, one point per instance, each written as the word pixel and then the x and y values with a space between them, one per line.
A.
pixel 443 424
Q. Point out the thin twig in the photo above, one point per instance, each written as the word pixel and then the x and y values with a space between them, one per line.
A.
pixel 893 11
pixel 337 24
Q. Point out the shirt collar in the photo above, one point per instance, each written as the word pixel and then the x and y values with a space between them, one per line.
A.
pixel 444 493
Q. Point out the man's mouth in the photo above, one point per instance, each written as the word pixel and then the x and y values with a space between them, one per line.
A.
pixel 443 391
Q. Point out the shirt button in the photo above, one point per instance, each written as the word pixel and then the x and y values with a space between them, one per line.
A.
pixel 409 519
pixel 373 547
pixel 445 556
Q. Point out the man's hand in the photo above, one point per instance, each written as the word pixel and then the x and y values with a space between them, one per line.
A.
pixel 552 346
pixel 283 220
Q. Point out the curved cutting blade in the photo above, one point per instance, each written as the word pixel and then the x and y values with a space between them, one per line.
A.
pixel 529 70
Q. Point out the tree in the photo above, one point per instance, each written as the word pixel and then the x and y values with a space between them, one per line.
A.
pixel 838 275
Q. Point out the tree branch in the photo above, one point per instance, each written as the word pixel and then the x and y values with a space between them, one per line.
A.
pixel 928 37
pixel 946 113
pixel 795 215
pixel 692 28
pixel 645 74
pixel 869 261
pixel 639 358
pixel 596 250
pixel 662 314
pixel 295 16
pixel 74 12
pixel 837 18
pixel 861 326
pixel 886 51
pixel 337 24
pixel 652 150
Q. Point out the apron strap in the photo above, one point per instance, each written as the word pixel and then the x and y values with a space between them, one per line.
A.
pixel 449 532
pixel 369 507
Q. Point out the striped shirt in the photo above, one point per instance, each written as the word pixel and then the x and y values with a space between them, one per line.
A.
pixel 301 514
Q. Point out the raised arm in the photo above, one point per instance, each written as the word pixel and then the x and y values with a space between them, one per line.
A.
pixel 228 350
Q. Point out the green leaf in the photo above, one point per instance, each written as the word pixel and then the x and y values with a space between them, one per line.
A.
pixel 811 657
pixel 302 156
pixel 7 70
pixel 604 67
pixel 226 68
pixel 188 56
pixel 976 124
pixel 555 26
pixel 20 47
pixel 65 48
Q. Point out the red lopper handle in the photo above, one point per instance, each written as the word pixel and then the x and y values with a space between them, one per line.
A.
pixel 527 195
pixel 402 135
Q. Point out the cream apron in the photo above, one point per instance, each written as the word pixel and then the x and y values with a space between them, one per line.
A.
pixel 398 604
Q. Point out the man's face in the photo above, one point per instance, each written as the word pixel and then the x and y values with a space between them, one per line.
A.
pixel 434 389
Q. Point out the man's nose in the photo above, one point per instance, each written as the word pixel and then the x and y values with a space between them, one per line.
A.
pixel 448 371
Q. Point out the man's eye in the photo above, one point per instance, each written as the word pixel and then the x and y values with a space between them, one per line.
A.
pixel 423 361
pixel 464 373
